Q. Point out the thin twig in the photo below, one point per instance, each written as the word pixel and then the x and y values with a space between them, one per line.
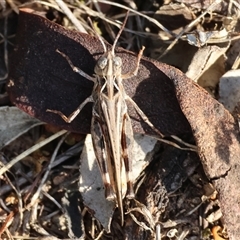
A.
pixel 190 25
pixel 45 176
pixel 138 13
pixel 70 15
pixel 73 151
pixel 5 43
pixel 31 150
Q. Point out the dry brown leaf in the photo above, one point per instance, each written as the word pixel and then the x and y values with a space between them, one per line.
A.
pixel 207 66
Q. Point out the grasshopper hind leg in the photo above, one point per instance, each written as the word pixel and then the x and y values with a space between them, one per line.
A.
pixel 127 141
pixel 98 145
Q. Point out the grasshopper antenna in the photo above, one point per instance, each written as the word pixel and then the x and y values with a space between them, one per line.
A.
pixel 98 36
pixel 117 37
pixel 120 32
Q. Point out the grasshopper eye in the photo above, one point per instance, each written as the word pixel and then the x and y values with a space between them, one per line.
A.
pixel 102 62
pixel 117 61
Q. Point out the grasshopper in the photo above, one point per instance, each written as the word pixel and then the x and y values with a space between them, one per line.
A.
pixel 111 128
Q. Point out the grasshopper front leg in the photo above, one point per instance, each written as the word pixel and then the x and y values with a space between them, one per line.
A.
pixel 73 115
pixel 76 69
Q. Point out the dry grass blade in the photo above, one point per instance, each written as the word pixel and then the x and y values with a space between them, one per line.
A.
pixel 5 47
pixel 189 26
pixel 75 150
pixel 137 13
pixel 46 175
pixel 70 15
pixel 30 150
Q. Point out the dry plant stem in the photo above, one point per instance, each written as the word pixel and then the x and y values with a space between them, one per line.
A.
pixel 70 15
pixel 195 209
pixel 99 235
pixel 141 208
pixel 19 196
pixel 4 207
pixel 102 16
pixel 158 232
pixel 235 3
pixel 141 224
pixel 37 193
pixel 53 200
pixel 31 188
pixel 73 151
pixel 6 188
pixel 183 235
pixel 7 222
pixel 13 6
pixel 5 42
pixel 96 5
pixel 92 228
pixel 190 25
pixel 236 62
pixel 34 221
pixel 49 216
pixel 137 13
pixel 50 4
pixel 8 235
pixel 31 150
